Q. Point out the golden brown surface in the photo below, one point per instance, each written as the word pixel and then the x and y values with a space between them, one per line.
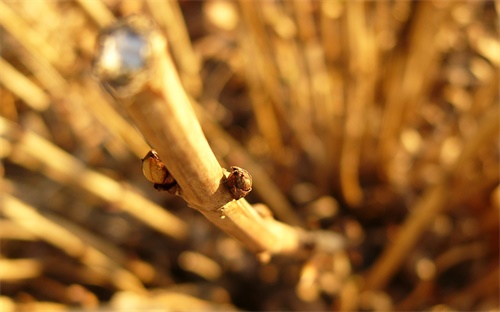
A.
pixel 379 120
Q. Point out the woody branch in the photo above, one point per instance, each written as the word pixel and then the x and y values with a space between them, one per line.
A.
pixel 133 64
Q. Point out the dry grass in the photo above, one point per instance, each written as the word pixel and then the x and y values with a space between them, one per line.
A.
pixel 379 120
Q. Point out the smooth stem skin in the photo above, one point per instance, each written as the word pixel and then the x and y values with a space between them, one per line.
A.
pixel 161 109
pixel 183 148
pixel 167 121
pixel 164 115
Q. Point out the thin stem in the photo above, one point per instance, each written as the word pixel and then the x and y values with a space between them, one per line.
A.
pixel 23 87
pixel 431 204
pixel 263 184
pixel 98 11
pixel 168 14
pixel 62 167
pixel 78 246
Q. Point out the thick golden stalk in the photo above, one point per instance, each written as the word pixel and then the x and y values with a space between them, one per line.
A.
pixel 159 106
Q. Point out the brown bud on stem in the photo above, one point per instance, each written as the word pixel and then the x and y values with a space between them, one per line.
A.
pixel 239 182
pixel 155 171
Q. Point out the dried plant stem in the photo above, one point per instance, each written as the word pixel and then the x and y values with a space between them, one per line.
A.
pixel 29 38
pixel 19 269
pixel 263 79
pixel 443 262
pixel 186 153
pixel 10 230
pixel 34 96
pixel 177 136
pixel 64 168
pixel 408 81
pixel 112 120
pixel 98 11
pixel 263 185
pixel 431 203
pixel 320 91
pixel 166 300
pixel 39 63
pixel 362 67
pixel 73 244
pixel 420 293
pixel 482 287
pixel 331 35
pixel 163 113
pixel 390 260
pixel 169 16
pixel 23 87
